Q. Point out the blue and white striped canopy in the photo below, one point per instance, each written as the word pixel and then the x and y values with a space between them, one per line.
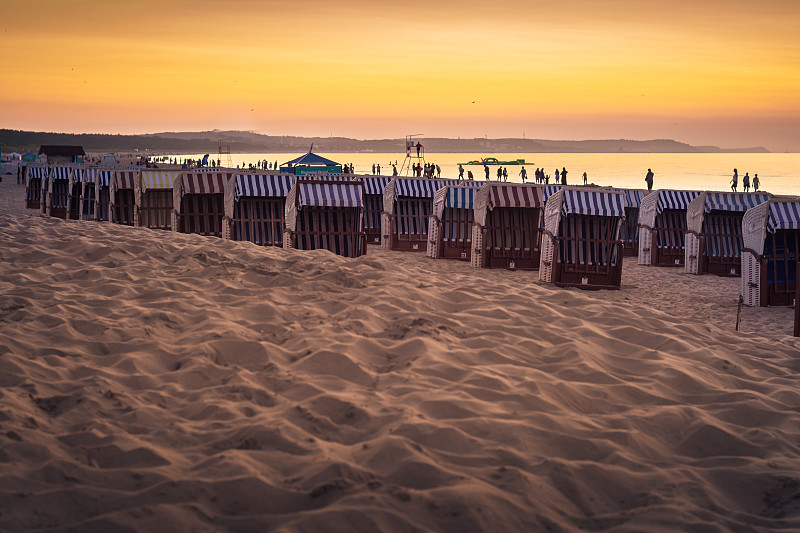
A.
pixel 104 177
pixel 61 173
pixel 460 197
pixel 633 197
pixel 344 194
pixel 550 190
pixel 420 188
pixel 77 176
pixel 90 176
pixel 731 201
pixel 471 183
pixel 600 203
pixel 375 184
pixel 679 200
pixel 783 216
pixel 37 172
pixel 275 185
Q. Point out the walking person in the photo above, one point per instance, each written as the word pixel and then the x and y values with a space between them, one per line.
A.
pixel 438 171
pixel 499 173
pixel 649 179
pixel 505 174
pixel 378 169
pixel 486 170
pixel 524 174
pixel 756 182
pixel 734 180
pixel 746 182
pixel 460 172
pixel 558 176
pixel 585 178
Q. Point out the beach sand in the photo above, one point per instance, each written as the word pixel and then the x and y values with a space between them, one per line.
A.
pixel 152 381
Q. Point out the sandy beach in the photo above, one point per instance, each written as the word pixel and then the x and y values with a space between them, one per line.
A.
pixel 153 381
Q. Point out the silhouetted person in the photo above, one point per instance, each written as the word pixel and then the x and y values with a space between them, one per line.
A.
pixel 649 179
pixel 505 174
pixel 524 174
pixel 564 176
pixel 734 180
pixel 558 176
pixel 460 172
pixel 756 182
pixel 419 147
pixel 486 170
pixel 394 170
pixel 746 182
pixel 585 178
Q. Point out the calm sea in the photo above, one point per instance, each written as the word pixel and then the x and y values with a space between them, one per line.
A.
pixel 779 173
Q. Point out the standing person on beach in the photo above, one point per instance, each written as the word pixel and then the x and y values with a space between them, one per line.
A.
pixel 585 177
pixel 755 182
pixel 505 174
pixel 460 172
pixel 735 180
pixel 438 171
pixel 486 170
pixel 564 176
pixel 558 176
pixel 746 182
pixel 499 173
pixel 524 174
pixel 649 179
pixel 394 170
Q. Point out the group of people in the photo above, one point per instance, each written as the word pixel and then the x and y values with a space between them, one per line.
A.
pixel 429 170
pixel 745 181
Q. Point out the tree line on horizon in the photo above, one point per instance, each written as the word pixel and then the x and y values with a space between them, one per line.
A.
pixel 249 142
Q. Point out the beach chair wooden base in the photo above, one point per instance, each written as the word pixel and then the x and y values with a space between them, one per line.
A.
pixel 258 220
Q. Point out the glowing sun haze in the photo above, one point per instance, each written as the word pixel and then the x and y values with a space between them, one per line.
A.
pixel 703 72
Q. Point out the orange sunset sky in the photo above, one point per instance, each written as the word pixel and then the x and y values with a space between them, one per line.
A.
pixel 716 72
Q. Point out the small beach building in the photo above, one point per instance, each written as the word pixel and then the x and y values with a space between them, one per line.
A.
pixel 56 195
pixel 199 202
pixel 507 226
pixel 311 164
pixel 450 223
pixel 122 201
pixel 373 205
pixel 407 204
pixel 326 215
pixel 154 199
pixel 662 227
pixel 714 231
pixel 57 153
pixel 771 253
pixel 35 178
pixel 255 208
pixel 581 245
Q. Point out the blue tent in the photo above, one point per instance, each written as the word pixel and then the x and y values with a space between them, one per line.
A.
pixel 311 164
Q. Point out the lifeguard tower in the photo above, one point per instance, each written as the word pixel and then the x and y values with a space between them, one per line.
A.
pixel 415 155
pixel 225 155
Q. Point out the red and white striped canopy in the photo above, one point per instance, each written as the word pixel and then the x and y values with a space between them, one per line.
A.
pixel 124 179
pixel 206 182
pixel 514 195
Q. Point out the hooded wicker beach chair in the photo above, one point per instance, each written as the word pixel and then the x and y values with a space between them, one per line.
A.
pixel 714 231
pixel 255 208
pixel 771 253
pixel 407 204
pixel 581 245
pixel 507 226
pixel 199 201
pixel 154 198
pixel 326 215
pixel 662 227
pixel 450 224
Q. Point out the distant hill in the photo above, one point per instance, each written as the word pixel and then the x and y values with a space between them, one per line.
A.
pixel 249 142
